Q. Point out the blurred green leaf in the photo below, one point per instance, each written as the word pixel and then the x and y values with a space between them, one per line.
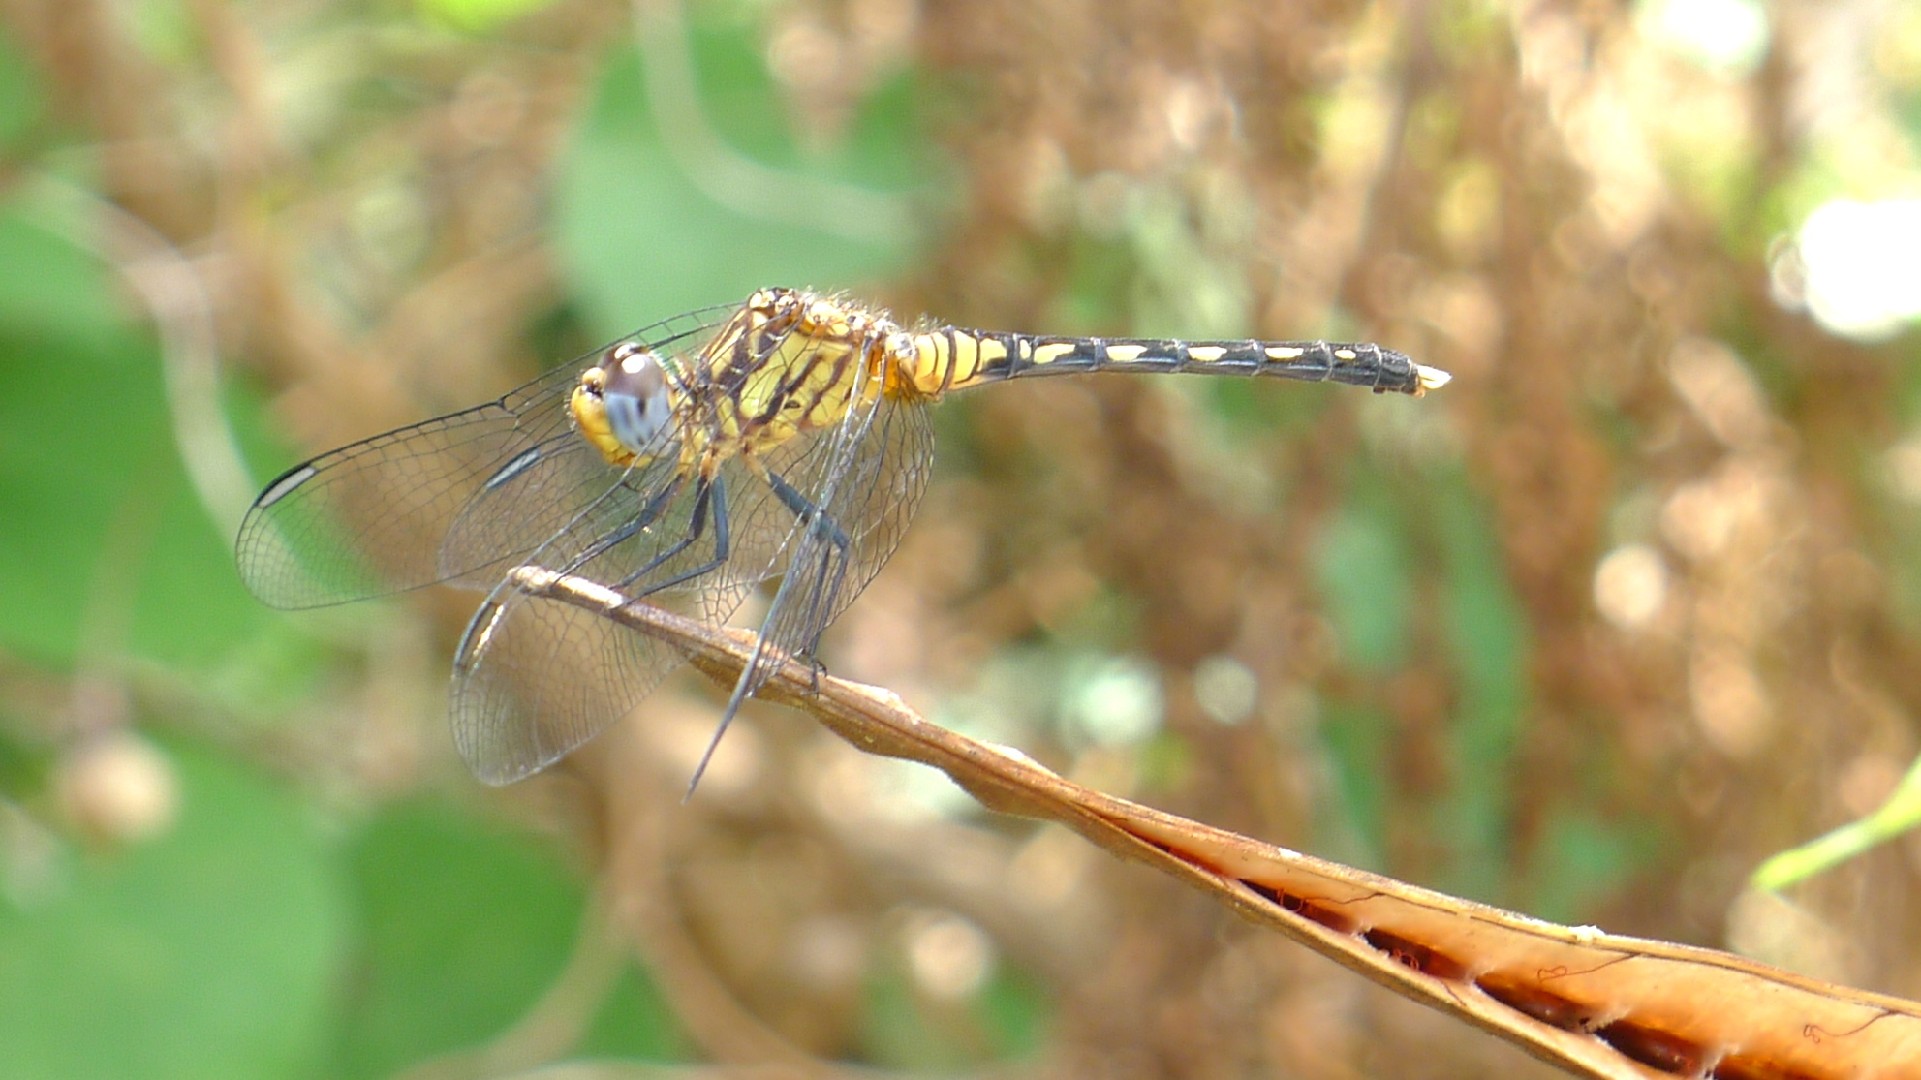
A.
pixel 1015 1010
pixel 636 1022
pixel 1257 409
pixel 478 16
pixel 206 953
pixel 463 926
pixel 1101 272
pixel 56 290
pixel 1364 570
pixel 103 545
pixel 645 237
pixel 168 31
pixel 1353 827
pixel 1487 637
pixel 897 1035
pixel 1004 1021
pixel 1579 858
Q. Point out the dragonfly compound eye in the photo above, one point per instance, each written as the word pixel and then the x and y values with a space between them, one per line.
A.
pixel 634 390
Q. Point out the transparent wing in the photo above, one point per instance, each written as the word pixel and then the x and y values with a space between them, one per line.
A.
pixel 849 496
pixel 369 519
pixel 534 677
pixel 865 481
pixel 567 488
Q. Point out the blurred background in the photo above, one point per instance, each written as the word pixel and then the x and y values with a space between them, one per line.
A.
pixel 1628 607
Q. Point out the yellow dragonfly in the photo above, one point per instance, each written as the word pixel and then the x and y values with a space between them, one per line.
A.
pixel 685 463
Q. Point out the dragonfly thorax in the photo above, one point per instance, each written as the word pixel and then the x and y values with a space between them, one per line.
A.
pixel 624 404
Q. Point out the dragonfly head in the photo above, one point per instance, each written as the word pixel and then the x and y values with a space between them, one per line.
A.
pixel 624 405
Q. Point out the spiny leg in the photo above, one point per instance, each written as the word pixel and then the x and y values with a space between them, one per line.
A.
pixel 630 528
pixel 820 524
pixel 708 494
pixel 815 521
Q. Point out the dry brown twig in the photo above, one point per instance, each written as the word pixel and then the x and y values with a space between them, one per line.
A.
pixel 1591 1002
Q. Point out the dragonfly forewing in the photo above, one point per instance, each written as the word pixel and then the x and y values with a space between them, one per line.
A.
pixel 367 519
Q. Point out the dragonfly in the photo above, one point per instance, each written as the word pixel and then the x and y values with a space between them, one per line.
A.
pixel 685 464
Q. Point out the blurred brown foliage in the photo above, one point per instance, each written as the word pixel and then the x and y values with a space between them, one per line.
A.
pixel 1685 481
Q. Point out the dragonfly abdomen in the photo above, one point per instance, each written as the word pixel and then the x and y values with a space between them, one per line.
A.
pixel 952 359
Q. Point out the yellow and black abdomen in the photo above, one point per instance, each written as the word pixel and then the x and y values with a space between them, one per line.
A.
pixel 953 359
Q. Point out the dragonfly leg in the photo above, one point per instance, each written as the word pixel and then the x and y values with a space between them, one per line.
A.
pixel 815 669
pixel 828 569
pixel 629 529
pixel 828 572
pixel 710 499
